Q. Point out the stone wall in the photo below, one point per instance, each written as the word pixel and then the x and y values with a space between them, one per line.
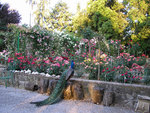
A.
pixel 98 92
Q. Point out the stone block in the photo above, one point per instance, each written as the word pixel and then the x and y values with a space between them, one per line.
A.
pixel 143 104
pixel 22 84
pixel 108 98
pixel 97 94
pixel 68 92
pixel 77 91
pixel 43 85
pixel 51 86
pixel 31 86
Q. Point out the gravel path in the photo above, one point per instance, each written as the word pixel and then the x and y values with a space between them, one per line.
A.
pixel 18 101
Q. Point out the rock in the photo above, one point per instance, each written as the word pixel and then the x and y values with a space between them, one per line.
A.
pixel 68 92
pixel 97 94
pixel 31 86
pixel 77 92
pixel 143 104
pixel 108 98
pixel 43 85
pixel 51 86
pixel 22 84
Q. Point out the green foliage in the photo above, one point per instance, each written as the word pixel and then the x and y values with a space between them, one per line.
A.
pixel 59 18
pixel 102 16
pixel 8 16
pixel 146 79
pixel 41 13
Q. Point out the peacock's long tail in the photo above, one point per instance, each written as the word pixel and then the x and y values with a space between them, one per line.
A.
pixel 56 94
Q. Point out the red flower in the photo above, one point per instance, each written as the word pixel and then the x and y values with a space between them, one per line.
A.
pixel 106 68
pixel 126 73
pixel 33 63
pixel 103 70
pixel 144 55
pixel 66 58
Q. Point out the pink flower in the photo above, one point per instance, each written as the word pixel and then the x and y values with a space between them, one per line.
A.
pixel 59 58
pixel 47 61
pixel 63 64
pixel 129 60
pixel 133 77
pixel 66 61
pixel 105 59
pixel 131 69
pixel 118 67
pixel 112 41
pixel 57 64
pixel 106 68
pixel 94 58
pixel 122 74
pixel 82 55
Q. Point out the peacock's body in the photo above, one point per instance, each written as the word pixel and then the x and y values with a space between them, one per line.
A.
pixel 60 86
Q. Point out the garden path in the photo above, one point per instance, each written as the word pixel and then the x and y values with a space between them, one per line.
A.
pixel 14 100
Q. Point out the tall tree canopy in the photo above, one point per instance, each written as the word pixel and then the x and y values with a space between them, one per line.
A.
pixel 59 18
pixel 104 16
pixel 41 13
pixel 138 15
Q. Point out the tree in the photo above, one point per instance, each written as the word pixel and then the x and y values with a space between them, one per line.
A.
pixel 79 22
pixel 8 16
pixel 42 13
pixel 138 16
pixel 104 16
pixel 60 17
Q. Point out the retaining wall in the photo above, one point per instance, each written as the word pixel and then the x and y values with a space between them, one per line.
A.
pixel 124 95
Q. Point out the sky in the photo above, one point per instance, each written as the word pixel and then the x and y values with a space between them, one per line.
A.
pixel 24 8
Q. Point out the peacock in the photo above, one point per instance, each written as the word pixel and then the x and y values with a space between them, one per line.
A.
pixel 60 86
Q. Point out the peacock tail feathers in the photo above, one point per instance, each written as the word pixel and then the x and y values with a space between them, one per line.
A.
pixel 60 86
pixel 56 94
